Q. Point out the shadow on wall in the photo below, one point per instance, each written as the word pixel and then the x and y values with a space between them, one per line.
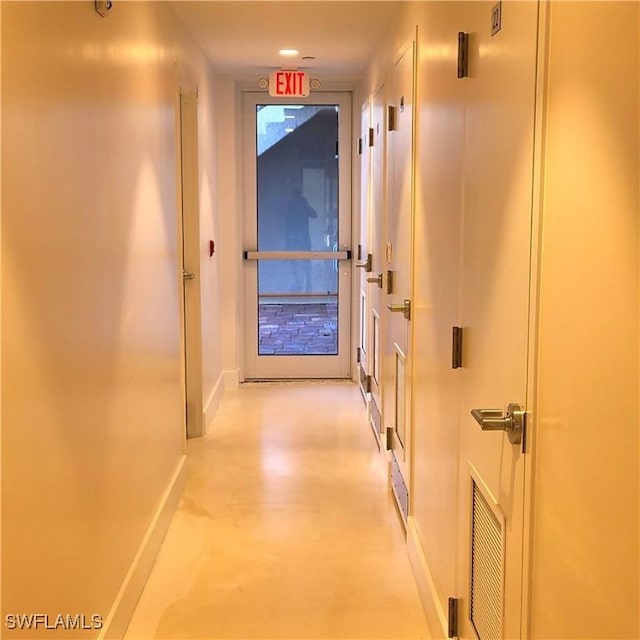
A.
pixel 92 393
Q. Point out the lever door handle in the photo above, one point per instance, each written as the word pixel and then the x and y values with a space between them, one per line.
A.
pixel 377 279
pixel 493 420
pixel 367 265
pixel 404 309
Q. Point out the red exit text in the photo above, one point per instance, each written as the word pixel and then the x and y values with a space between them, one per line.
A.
pixel 289 84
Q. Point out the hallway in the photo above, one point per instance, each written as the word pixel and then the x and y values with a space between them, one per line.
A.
pixel 286 530
pixel 477 222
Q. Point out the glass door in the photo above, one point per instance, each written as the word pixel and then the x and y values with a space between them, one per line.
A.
pixel 297 259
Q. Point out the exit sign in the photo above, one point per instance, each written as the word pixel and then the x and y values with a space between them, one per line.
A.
pixel 289 84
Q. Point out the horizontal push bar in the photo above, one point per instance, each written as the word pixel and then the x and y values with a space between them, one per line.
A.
pixel 297 255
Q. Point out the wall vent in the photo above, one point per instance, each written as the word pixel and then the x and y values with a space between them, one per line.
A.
pixel 487 569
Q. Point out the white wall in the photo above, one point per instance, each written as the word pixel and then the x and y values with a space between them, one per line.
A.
pixel 211 229
pixel 230 204
pixel 435 301
pixel 92 395
pixel 583 574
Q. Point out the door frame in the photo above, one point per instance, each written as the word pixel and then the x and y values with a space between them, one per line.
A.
pixel 377 296
pixel 365 249
pixel 189 256
pixel 394 353
pixel 539 135
pixel 266 367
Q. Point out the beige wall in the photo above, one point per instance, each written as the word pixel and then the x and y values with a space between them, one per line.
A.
pixel 584 556
pixel 585 564
pixel 92 395
pixel 440 111
pixel 211 228
pixel 230 198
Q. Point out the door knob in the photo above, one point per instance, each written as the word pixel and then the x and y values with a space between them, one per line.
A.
pixel 493 420
pixel 187 276
pixel 377 279
pixel 404 309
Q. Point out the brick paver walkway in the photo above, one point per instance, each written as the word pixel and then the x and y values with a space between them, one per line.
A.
pixel 298 329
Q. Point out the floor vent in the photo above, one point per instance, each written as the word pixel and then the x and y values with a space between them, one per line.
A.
pixel 376 418
pixel 400 417
pixel 399 487
pixel 487 569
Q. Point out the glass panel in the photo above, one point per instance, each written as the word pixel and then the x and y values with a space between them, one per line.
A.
pixel 304 325
pixel 297 194
pixel 297 278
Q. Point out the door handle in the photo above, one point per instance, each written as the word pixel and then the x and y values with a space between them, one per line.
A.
pixel 493 420
pixel 404 309
pixel 367 265
pixel 187 276
pixel 377 279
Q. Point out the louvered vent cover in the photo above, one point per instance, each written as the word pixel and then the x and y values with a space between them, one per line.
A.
pixel 400 397
pixel 487 589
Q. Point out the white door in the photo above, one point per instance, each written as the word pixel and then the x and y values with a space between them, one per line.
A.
pixel 377 242
pixel 297 236
pixel 496 262
pixel 398 277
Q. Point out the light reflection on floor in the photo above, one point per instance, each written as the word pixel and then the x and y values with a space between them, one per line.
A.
pixel 287 529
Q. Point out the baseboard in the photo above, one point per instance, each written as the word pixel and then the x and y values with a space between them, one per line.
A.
pixel 117 621
pixel 436 616
pixel 213 401
pixel 231 378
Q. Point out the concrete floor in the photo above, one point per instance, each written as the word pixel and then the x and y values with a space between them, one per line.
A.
pixel 287 529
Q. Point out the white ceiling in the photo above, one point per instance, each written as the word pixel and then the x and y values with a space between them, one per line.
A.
pixel 243 37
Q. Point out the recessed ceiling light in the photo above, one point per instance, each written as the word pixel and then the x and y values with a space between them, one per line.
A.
pixel 289 52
